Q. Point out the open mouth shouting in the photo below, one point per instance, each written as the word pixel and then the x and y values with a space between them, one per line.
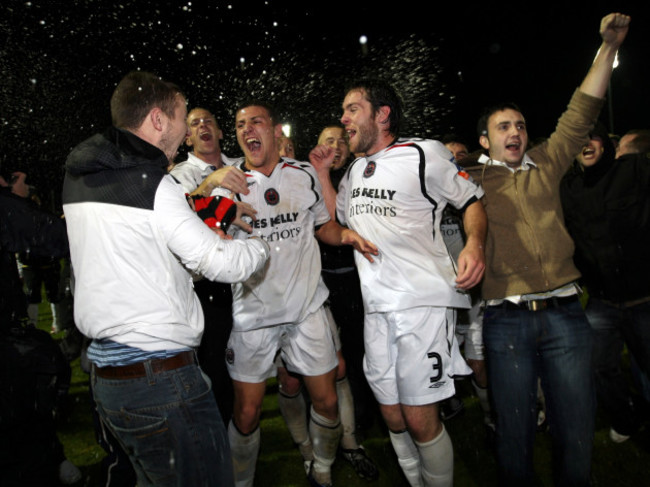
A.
pixel 253 144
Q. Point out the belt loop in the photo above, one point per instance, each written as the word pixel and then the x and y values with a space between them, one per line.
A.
pixel 149 371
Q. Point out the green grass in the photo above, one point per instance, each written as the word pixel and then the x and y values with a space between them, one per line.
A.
pixel 280 464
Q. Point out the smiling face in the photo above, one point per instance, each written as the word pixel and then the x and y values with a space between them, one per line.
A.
pixel 257 136
pixel 205 133
pixel 591 152
pixel 362 123
pixel 335 138
pixel 507 137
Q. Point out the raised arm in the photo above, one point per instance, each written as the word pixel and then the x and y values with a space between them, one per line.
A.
pixel 321 158
pixel 613 29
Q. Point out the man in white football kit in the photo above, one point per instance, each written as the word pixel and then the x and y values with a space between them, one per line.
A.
pixel 281 308
pixel 206 167
pixel 395 195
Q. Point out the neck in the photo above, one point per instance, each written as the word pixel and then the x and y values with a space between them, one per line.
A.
pixel 265 169
pixel 214 158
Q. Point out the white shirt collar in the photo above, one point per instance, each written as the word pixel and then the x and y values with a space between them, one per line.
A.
pixel 526 163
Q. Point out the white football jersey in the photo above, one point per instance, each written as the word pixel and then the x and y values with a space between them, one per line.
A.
pixel 395 199
pixel 289 207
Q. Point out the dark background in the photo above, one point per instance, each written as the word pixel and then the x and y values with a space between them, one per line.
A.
pixel 60 61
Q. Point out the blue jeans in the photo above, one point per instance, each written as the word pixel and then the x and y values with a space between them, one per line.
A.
pixel 612 328
pixel 554 344
pixel 169 425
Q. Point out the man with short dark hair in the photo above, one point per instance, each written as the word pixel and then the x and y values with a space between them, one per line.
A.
pixel 534 325
pixel 606 203
pixel 396 194
pixel 134 242
pixel 281 309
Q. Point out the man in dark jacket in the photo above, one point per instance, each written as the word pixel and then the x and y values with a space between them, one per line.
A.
pixel 606 203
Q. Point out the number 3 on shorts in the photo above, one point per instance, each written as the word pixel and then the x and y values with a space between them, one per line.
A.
pixel 437 366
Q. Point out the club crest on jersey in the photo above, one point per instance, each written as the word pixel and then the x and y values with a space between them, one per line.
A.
pixel 370 169
pixel 271 197
pixel 230 356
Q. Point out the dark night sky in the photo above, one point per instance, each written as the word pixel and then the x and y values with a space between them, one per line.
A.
pixel 60 61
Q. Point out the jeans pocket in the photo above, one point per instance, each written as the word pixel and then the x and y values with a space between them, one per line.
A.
pixel 147 438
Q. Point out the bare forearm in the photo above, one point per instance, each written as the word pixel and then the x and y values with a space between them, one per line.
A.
pixel 329 193
pixel 475 223
pixel 330 233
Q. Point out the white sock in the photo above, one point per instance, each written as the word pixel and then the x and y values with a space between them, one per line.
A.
pixel 325 434
pixel 294 412
pixel 346 412
pixel 244 449
pixel 55 323
pixel 407 456
pixel 437 460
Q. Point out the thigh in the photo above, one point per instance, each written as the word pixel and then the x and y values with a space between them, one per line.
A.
pixel 427 355
pixel 250 354
pixel 334 328
pixel 308 347
pixel 511 358
pixel 380 356
pixel 607 337
pixel 169 425
pixel 565 347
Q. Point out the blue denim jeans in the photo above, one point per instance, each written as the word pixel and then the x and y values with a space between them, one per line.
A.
pixel 614 327
pixel 169 425
pixel 555 345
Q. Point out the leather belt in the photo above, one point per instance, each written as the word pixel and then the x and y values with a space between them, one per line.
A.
pixel 134 371
pixel 538 304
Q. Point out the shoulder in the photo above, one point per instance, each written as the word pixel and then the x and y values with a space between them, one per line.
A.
pixel 427 148
pixel 189 165
pixel 231 161
pixel 292 166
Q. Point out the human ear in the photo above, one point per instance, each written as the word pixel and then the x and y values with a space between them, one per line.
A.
pixel 484 141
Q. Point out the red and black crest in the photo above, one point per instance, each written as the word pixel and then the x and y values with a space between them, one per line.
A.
pixel 370 169
pixel 271 197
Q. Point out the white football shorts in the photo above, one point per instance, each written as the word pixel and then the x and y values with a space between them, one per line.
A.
pixel 412 355
pixel 307 348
